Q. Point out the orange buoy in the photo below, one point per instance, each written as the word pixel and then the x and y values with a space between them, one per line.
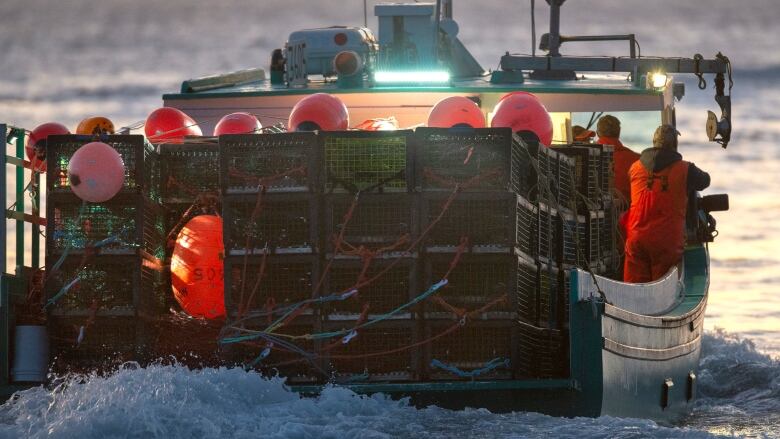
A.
pixel 319 111
pixel 238 123
pixel 456 111
pixel 170 125
pixel 196 268
pixel 95 125
pixel 523 111
pixel 36 143
pixel 96 172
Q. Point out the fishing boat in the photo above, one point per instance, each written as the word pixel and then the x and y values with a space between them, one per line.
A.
pixel 461 266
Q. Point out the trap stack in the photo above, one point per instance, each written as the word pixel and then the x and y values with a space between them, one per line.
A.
pixel 104 261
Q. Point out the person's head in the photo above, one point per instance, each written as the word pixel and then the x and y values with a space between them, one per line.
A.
pixel 608 126
pixel 665 137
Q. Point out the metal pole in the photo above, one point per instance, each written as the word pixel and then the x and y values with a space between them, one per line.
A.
pixel 555 26
pixel 35 248
pixel 436 33
pixel 365 13
pixel 3 197
pixel 20 205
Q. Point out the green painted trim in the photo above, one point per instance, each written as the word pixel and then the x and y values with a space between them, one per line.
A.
pixel 488 88
pixel 5 331
pixel 444 386
pixel 585 348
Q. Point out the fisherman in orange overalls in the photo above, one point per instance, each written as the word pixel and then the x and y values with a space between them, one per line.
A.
pixel 660 183
pixel 608 129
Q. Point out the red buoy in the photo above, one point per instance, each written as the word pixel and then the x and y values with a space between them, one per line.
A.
pixel 36 143
pixel 238 123
pixel 524 112
pixel 319 111
pixel 196 268
pixel 96 172
pixel 456 111
pixel 170 125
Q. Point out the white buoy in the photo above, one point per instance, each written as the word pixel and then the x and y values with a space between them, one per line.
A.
pixel 31 354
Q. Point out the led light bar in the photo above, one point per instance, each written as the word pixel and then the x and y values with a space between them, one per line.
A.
pixel 413 77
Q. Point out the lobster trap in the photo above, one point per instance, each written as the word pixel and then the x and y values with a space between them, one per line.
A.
pixel 273 223
pixel 139 157
pixel 543 352
pixel 548 234
pixel 567 194
pixel 474 350
pixel 279 162
pixel 587 165
pixel 380 285
pixel 107 285
pixel 385 351
pixel 374 221
pixel 121 226
pixel 187 171
pixel 528 300
pixel 267 285
pixel 493 222
pixel 570 239
pixel 79 344
pixel 488 283
pixel 481 159
pixel 368 161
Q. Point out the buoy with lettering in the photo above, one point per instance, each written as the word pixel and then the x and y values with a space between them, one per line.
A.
pixel 96 172
pixel 95 125
pixel 238 123
pixel 196 268
pixel 456 111
pixel 319 111
pixel 170 125
pixel 524 112
pixel 36 143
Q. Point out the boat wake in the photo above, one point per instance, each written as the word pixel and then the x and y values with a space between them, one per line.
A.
pixel 172 401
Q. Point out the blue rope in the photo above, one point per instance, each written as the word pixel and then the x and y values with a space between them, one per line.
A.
pixel 490 365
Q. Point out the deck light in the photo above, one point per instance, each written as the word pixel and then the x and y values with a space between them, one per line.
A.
pixel 658 79
pixel 412 77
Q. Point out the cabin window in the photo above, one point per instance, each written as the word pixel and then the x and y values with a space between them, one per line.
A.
pixel 636 127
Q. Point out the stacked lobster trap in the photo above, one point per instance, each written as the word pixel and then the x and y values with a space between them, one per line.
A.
pixel 104 276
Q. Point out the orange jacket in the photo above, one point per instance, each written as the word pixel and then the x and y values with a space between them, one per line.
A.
pixel 624 158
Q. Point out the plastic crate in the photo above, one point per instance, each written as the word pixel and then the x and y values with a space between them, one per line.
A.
pixel 382 352
pixel 546 178
pixel 472 347
pixel 113 285
pixel 368 161
pixel 543 352
pixel 378 220
pixel 490 220
pixel 476 281
pixel 281 162
pixel 188 170
pixel 283 224
pixel 105 343
pixel 567 194
pixel 549 234
pixel 129 223
pixel 607 171
pixel 527 290
pixel 526 237
pixel 590 251
pixel 570 240
pixel 287 280
pixel 140 158
pixel 396 286
pixel 484 159
pixel 549 289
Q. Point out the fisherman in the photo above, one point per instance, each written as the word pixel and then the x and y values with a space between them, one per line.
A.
pixel 660 183
pixel 582 134
pixel 608 129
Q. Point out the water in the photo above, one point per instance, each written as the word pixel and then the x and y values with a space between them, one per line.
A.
pixel 66 60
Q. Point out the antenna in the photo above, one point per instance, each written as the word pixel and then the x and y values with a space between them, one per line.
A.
pixel 365 13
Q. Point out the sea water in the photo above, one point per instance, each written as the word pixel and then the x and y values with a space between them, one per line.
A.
pixel 62 61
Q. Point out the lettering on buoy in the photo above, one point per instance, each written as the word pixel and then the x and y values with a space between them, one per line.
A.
pixel 96 172
pixel 36 143
pixel 197 275
pixel 320 111
pixel 522 111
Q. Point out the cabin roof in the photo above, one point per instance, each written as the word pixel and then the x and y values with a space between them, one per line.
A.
pixel 587 84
